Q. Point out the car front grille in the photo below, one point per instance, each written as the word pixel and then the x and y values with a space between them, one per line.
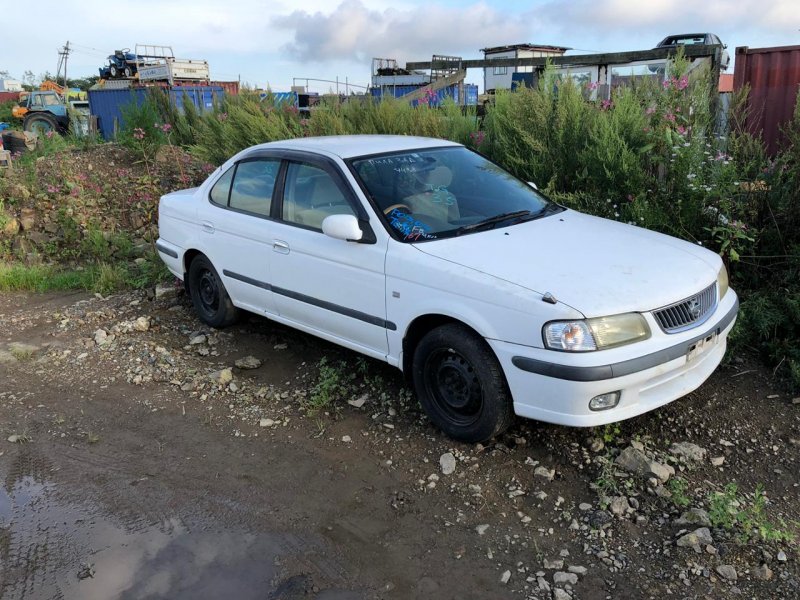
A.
pixel 687 313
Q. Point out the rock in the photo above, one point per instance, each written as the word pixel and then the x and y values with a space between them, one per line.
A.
pixel 596 445
pixel 141 324
pixel 167 291
pixel 619 506
pixel 782 556
pixel 762 573
pixel 635 461
pixel 481 529
pixel 358 402
pixel 796 400
pixel 553 564
pixel 11 228
pixel 223 377
pixel 266 422
pixel 584 506
pixel 717 461
pixel 448 464
pixel 696 539
pixel 599 519
pixel 727 572
pixel 248 362
pixel 578 570
pixel 197 340
pixel 688 451
pixel 544 473
pixel 280 346
pixel 103 338
pixel 694 516
pixel 559 594
pixel 505 577
pixel 14 438
pixel 561 578
pixel 347 439
pixel 27 219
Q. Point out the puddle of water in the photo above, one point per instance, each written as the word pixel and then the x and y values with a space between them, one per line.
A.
pixel 143 561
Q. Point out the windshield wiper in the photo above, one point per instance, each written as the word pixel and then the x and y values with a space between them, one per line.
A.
pixel 494 220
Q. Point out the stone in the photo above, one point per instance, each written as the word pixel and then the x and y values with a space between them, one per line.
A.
pixel 505 577
pixel 762 573
pixel 577 569
pixel 727 572
pixel 599 519
pixel 596 445
pixel 635 461
pixel 553 564
pixel 102 337
pixel 448 463
pixel 694 516
pixel 197 340
pixel 266 422
pixel 688 451
pixel 11 227
pixel 619 506
pixel 141 324
pixel 697 538
pixel 248 362
pixel 584 506
pixel 358 402
pixel 559 594
pixel 717 461
pixel 223 377
pixel 782 556
pixel 561 578
pixel 481 529
pixel 27 219
pixel 544 473
pixel 167 291
pixel 347 439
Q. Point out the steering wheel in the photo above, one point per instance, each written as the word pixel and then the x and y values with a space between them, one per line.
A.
pixel 386 211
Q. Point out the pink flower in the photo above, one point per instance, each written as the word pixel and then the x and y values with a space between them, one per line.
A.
pixel 477 137
pixel 606 105
pixel 681 129
pixel 592 85
pixel 166 128
pixel 138 133
pixel 669 117
pixel 650 110
pixel 683 83
pixel 49 135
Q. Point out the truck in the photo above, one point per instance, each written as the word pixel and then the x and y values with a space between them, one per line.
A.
pixel 158 63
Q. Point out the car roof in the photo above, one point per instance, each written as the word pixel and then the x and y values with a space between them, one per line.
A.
pixel 350 146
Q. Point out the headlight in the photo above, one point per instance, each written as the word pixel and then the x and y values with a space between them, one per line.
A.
pixel 595 334
pixel 722 282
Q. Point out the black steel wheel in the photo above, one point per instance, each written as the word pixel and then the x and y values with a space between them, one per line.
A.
pixel 461 385
pixel 211 301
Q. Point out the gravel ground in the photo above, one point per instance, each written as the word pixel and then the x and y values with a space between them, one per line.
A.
pixel 146 456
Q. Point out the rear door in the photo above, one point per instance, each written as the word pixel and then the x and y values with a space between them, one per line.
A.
pixel 236 224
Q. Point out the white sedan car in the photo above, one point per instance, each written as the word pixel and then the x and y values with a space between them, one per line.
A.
pixel 490 298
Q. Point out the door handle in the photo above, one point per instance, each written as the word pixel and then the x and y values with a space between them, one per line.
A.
pixel 208 227
pixel 280 246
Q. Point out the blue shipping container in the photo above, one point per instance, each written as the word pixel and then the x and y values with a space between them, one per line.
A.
pixel 107 105
pixel 471 93
pixel 397 91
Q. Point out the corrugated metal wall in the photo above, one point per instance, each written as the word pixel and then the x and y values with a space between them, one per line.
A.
pixel 6 96
pixel 107 105
pixel 470 92
pixel 774 78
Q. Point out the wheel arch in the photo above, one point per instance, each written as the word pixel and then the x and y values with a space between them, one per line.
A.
pixel 418 328
pixel 188 257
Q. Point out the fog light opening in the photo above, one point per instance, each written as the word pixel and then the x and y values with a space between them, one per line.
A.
pixel 604 401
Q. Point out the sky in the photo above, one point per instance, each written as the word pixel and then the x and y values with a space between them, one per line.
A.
pixel 270 42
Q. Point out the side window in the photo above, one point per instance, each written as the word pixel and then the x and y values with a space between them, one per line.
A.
pixel 221 189
pixel 253 184
pixel 310 195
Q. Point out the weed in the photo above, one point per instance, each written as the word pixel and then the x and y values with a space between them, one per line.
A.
pixel 730 510
pixel 22 353
pixel 92 438
pixel 677 486
pixel 333 384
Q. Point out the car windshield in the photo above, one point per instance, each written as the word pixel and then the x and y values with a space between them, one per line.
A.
pixel 434 193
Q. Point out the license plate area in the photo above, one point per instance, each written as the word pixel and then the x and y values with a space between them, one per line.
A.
pixel 700 347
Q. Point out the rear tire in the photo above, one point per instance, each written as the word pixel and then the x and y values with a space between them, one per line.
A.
pixel 127 72
pixel 210 299
pixel 40 123
pixel 460 384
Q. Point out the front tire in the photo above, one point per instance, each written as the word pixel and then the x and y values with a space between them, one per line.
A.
pixel 210 299
pixel 460 384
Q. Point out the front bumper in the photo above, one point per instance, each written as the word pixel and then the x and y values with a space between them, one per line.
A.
pixel 556 387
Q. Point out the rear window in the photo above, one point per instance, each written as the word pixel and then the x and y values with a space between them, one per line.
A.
pixel 222 188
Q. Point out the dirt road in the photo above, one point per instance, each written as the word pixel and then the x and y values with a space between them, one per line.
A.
pixel 138 462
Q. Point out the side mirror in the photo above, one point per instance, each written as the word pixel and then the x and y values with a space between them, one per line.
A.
pixel 342 227
pixel 533 185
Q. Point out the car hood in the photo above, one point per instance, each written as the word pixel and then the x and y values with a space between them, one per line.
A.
pixel 596 266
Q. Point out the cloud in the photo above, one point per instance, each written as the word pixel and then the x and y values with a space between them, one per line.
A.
pixel 354 32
